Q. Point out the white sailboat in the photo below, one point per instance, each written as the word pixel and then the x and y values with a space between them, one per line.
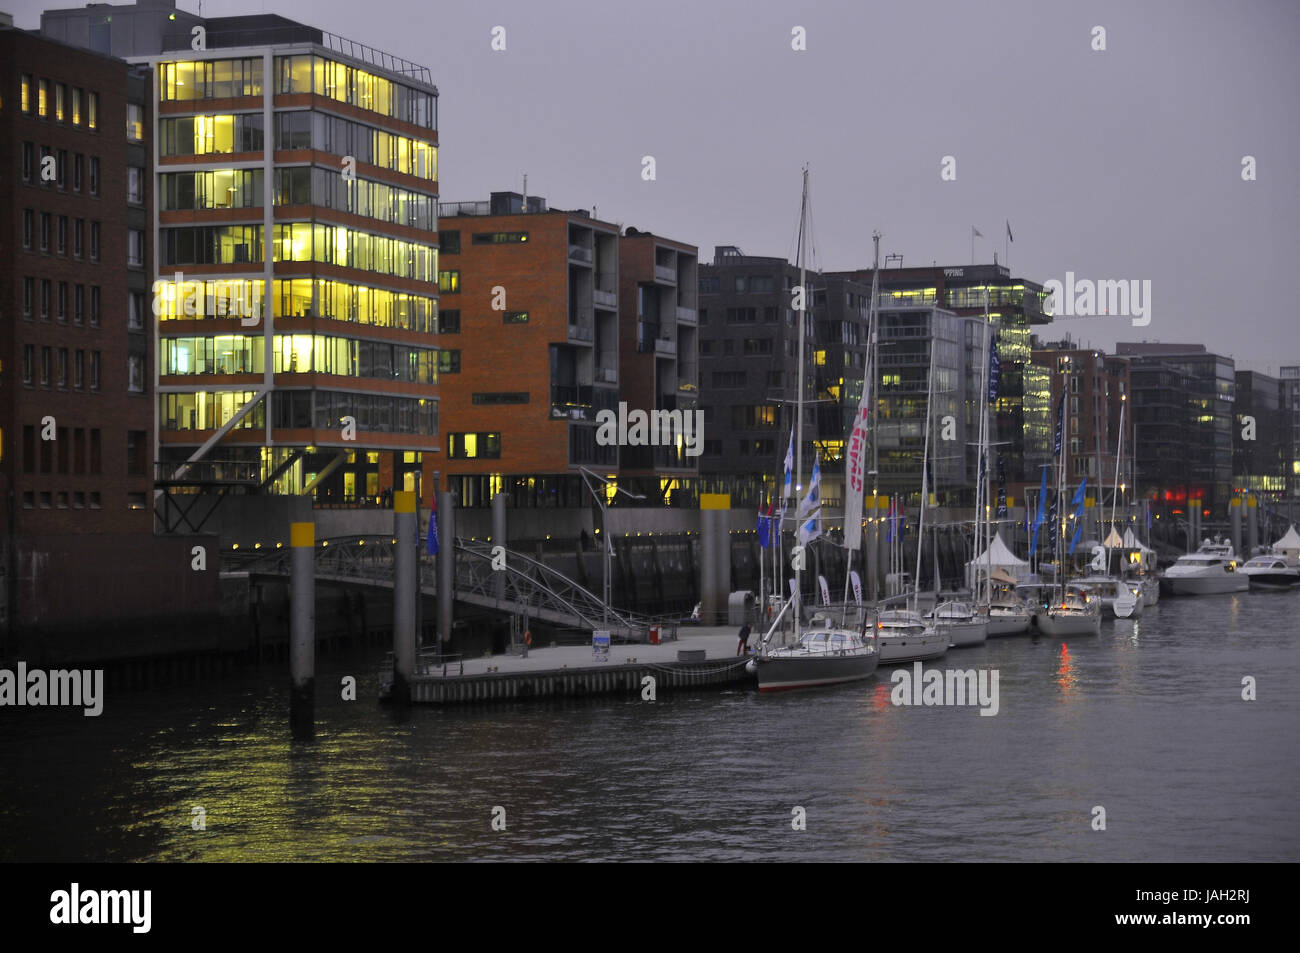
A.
pixel 1074 611
pixel 903 636
pixel 821 655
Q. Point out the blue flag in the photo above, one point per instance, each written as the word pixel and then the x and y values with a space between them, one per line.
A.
pixel 1078 494
pixel 1078 533
pixel 1148 517
pixel 433 527
pixel 764 528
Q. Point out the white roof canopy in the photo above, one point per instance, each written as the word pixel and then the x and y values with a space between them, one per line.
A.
pixel 997 556
pixel 1290 542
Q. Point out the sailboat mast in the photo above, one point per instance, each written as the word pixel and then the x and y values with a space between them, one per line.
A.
pixel 984 488
pixel 798 426
pixel 925 458
pixel 1119 455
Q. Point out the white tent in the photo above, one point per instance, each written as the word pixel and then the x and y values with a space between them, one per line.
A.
pixel 1289 546
pixel 1148 556
pixel 1114 540
pixel 998 556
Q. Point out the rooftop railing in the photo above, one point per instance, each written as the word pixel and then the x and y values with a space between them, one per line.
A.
pixel 284 34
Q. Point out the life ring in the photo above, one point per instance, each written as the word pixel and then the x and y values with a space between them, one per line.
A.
pixel 528 638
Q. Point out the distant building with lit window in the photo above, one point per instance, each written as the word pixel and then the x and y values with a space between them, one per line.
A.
pixel 295 251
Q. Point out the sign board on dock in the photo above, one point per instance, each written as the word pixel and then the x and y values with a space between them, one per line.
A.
pixel 600 644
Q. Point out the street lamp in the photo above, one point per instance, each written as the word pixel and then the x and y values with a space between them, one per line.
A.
pixel 604 525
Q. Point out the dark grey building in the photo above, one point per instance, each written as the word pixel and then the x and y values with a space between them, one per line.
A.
pixel 1191 458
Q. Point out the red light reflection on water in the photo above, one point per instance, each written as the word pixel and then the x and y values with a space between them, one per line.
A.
pixel 880 697
pixel 1066 677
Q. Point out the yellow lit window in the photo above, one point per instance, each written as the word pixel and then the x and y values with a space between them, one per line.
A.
pixel 43 98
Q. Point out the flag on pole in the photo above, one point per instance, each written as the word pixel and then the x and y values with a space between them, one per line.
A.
pixel 1053 526
pixel 1078 494
pixel 826 590
pixel 1002 489
pixel 857 586
pixel 764 524
pixel 789 473
pixel 975 232
pixel 1009 238
pixel 1060 421
pixel 1039 516
pixel 855 457
pixel 1078 534
pixel 810 508
pixel 433 526
pixel 995 370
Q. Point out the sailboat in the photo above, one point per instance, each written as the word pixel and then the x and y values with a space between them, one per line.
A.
pixel 1120 598
pixel 1074 611
pixel 823 655
pixel 967 625
pixel 903 636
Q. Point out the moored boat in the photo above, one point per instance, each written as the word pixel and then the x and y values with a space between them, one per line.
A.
pixel 1210 570
pixel 903 636
pixel 1270 572
pixel 820 657
pixel 963 626
pixel 1078 613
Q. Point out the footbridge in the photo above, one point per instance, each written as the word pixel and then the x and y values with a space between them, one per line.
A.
pixel 486 576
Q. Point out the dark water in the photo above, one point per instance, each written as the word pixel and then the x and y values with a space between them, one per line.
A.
pixel 1146 721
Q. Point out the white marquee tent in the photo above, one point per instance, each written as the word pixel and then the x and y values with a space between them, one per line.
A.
pixel 998 556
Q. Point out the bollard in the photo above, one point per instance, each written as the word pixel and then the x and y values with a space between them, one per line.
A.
pixel 1252 525
pixel 302 635
pixel 446 567
pixel 406 591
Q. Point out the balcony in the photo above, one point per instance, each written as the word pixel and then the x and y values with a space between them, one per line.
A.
pixel 606 375
pixel 686 386
pixel 687 315
pixel 666 346
pixel 579 253
pixel 605 292
pixel 578 332
pixel 666 273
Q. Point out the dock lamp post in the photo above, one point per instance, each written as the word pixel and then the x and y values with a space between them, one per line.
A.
pixel 587 477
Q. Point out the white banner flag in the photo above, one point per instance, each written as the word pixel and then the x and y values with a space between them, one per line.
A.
pixel 826 590
pixel 857 586
pixel 855 465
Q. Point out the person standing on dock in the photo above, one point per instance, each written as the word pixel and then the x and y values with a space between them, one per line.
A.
pixel 743 647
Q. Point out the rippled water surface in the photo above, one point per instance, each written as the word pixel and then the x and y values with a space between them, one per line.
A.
pixel 1146 721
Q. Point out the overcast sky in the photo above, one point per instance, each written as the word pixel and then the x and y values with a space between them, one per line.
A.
pixel 1122 164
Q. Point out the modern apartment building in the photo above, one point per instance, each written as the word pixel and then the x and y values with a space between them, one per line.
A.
pixel 1098 395
pixel 76 356
pixel 295 256
pixel 1016 305
pixel 530 336
pixel 1199 466
pixel 749 341
pixel 1259 447
pixel 1289 388
pixel 658 364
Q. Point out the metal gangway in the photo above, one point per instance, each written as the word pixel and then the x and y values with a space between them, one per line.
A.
pixel 517 584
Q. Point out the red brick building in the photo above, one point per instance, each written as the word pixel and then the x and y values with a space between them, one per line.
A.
pixel 529 329
pixel 76 403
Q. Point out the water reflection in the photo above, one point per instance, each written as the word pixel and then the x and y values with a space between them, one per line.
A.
pixel 1066 678
pixel 709 775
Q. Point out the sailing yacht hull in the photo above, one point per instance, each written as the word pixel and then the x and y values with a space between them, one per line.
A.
pixel 778 673
pixel 1064 624
pixel 896 649
pixel 1014 622
pixel 964 634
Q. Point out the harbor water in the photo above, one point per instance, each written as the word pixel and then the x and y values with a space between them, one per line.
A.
pixel 1146 721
